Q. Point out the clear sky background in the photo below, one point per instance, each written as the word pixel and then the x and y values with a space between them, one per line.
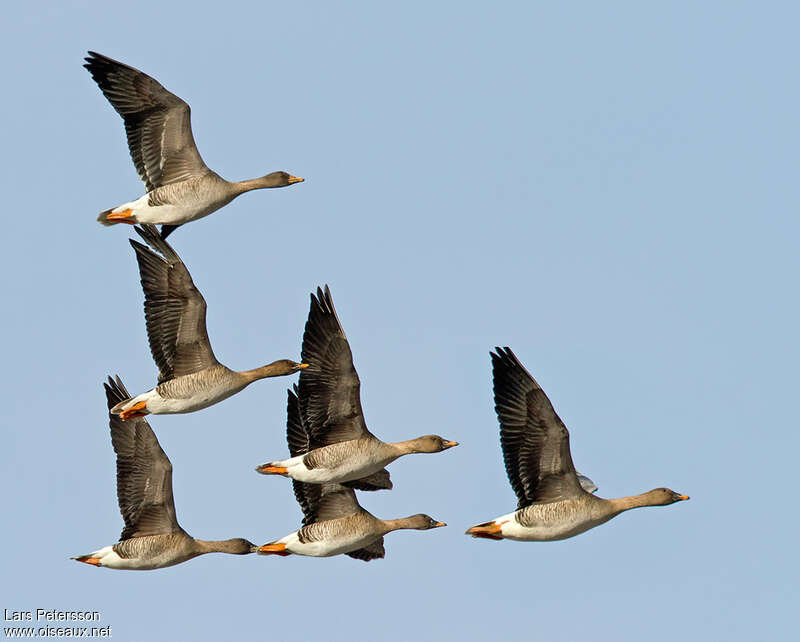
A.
pixel 608 188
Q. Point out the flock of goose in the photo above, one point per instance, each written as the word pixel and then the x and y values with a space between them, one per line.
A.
pixel 332 452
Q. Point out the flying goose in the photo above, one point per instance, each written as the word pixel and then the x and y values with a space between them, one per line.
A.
pixel 334 522
pixel 341 449
pixel 152 537
pixel 189 376
pixel 552 502
pixel 180 188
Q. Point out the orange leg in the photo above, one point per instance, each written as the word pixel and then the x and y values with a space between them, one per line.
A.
pixel 125 216
pixel 136 410
pixel 274 549
pixel 266 469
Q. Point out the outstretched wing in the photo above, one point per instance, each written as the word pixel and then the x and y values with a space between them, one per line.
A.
pixel 329 388
pixel 144 473
pixel 157 123
pixel 311 496
pixel 324 502
pixel 307 495
pixel 174 309
pixel 334 515
pixel 535 441
pixel 335 501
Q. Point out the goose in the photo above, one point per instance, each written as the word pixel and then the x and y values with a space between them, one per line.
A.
pixel 152 537
pixel 189 376
pixel 341 448
pixel 553 505
pixel 334 522
pixel 179 186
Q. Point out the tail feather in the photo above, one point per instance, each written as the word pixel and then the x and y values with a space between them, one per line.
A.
pixel 271 468
pixel 273 548
pixel 117 409
pixel 87 559
pixel 487 530
pixel 103 217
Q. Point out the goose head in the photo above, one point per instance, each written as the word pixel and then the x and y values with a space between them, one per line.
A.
pixel 280 179
pixel 422 522
pixel 431 444
pixel 664 497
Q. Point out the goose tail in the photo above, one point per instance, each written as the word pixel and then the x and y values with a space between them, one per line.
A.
pixel 487 530
pixel 103 218
pixel 121 214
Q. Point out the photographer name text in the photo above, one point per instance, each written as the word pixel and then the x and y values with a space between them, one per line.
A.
pixel 44 615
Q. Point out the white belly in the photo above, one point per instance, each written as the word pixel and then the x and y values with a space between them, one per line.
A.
pixel 347 471
pixel 167 214
pixel 545 532
pixel 327 548
pixel 160 406
pixel 110 559
pixel 201 398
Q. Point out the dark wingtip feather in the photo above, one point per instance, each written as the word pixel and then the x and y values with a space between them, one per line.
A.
pixel 149 233
pixel 115 391
pixel 296 435
pixel 504 359
pixel 501 355
pixel 504 354
pixel 100 67
pixel 91 60
pixel 323 300
pixel 166 230
pixel 95 60
pixel 322 304
pixel 328 299
pixel 138 246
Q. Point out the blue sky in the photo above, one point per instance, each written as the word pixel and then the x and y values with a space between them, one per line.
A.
pixel 608 188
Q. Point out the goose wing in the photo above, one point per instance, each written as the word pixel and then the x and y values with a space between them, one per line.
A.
pixel 310 496
pixel 157 123
pixel 174 309
pixel 335 501
pixel 376 481
pixel 307 495
pixel 322 502
pixel 144 473
pixel 535 441
pixel 329 388
pixel 370 552
pixel 587 484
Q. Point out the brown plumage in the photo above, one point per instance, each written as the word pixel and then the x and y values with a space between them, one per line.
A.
pixel 189 376
pixel 552 501
pixel 340 448
pixel 180 187
pixel 333 521
pixel 152 537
